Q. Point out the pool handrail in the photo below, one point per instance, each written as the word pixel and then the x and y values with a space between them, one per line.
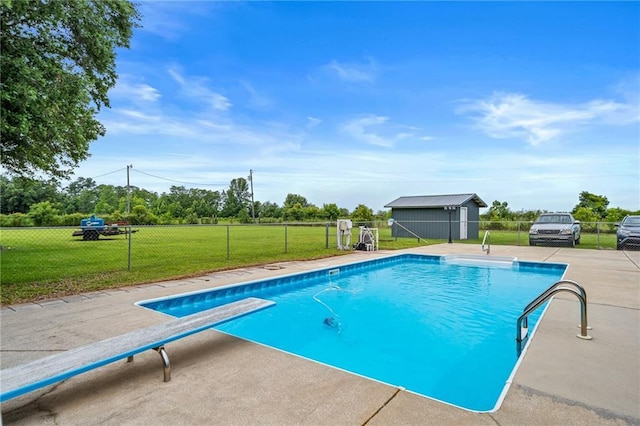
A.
pixel 577 290
pixel 487 234
pixel 544 294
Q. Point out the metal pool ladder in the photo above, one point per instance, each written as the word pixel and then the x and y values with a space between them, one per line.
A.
pixel 487 239
pixel 563 285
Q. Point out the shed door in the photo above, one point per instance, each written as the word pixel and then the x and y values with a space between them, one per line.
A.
pixel 463 223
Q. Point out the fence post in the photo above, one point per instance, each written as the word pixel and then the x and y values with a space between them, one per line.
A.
pixel 285 238
pixel 129 261
pixel 326 235
pixel 228 245
pixel 598 233
pixel 518 232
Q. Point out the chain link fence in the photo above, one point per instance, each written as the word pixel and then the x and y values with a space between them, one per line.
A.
pixel 54 257
pixel 593 235
pixel 51 253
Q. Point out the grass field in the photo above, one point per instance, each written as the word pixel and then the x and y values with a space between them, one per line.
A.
pixel 44 263
pixel 38 263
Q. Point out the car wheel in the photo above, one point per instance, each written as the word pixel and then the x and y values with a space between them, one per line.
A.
pixel 572 243
pixel 531 243
pixel 618 247
pixel 578 240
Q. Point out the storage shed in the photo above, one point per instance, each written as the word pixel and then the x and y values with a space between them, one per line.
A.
pixel 428 216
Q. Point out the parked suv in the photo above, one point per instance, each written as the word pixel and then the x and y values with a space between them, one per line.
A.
pixel 628 235
pixel 554 228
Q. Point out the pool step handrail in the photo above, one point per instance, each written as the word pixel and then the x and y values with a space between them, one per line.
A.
pixel 572 287
pixel 487 239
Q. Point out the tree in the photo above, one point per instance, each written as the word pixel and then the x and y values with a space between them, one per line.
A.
pixel 585 215
pixel 17 195
pixel 293 199
pixel 499 211
pixel 205 203
pixel 240 189
pixel 295 212
pixel 108 199
pixel 149 197
pixel 82 196
pixel 616 214
pixel 597 203
pixel 271 210
pixel 312 212
pixel 141 216
pixel 330 211
pixel 236 198
pixel 362 213
pixel 58 63
pixel 243 216
pixel 43 213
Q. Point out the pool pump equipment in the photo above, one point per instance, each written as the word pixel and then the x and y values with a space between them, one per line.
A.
pixel 344 234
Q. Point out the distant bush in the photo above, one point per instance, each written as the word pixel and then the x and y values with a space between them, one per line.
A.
pixel 15 220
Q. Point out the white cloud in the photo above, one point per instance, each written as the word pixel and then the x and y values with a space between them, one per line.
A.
pixel 199 130
pixel 256 100
pixel 353 72
pixel 168 19
pixel 376 130
pixel 138 115
pixel 313 122
pixel 513 115
pixel 629 89
pixel 134 92
pixel 196 87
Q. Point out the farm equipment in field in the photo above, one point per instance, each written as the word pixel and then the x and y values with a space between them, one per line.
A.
pixel 92 227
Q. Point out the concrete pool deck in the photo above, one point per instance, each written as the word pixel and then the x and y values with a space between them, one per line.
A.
pixel 218 379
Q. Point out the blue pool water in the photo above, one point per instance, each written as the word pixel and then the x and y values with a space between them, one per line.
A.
pixel 435 326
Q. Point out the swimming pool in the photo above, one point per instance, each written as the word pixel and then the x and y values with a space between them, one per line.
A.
pixel 439 326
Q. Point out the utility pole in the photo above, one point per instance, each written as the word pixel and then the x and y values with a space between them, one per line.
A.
pixel 253 212
pixel 130 166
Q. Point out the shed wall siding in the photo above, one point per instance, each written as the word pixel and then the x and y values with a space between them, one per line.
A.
pixel 433 223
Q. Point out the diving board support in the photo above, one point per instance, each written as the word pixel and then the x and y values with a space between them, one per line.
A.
pixel 166 363
pixel 25 378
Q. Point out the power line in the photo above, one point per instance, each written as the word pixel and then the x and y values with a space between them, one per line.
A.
pixel 177 181
pixel 106 174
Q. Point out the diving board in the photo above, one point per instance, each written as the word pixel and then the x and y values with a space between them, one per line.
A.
pixel 25 378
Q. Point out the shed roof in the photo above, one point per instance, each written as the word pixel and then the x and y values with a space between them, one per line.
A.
pixel 427 201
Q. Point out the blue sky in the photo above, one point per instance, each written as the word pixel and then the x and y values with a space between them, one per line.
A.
pixel 363 102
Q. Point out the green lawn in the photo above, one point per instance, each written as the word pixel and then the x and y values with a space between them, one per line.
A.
pixel 43 263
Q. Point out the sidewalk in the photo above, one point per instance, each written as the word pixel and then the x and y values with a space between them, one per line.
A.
pixel 218 379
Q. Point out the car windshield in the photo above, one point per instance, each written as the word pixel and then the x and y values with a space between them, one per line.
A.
pixel 632 221
pixel 554 218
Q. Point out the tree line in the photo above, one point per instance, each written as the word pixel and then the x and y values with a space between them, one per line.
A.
pixel 27 202
pixel 591 208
